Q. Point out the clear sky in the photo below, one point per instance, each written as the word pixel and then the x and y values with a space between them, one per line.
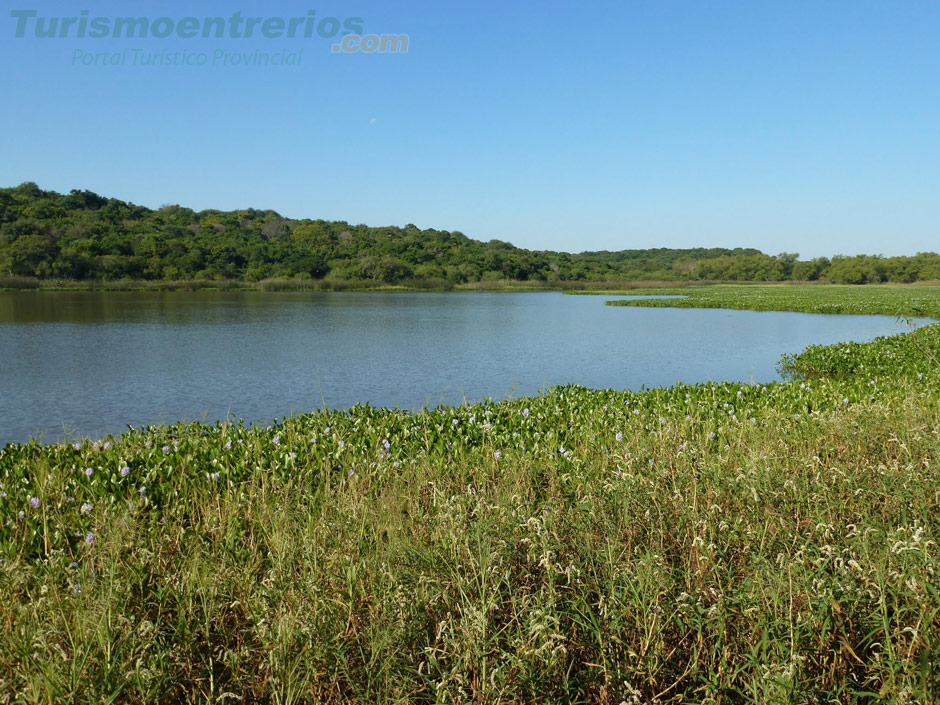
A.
pixel 798 126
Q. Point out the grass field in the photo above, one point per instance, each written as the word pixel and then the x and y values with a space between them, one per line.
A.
pixel 715 543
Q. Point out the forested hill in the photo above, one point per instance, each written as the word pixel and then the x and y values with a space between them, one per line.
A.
pixel 82 236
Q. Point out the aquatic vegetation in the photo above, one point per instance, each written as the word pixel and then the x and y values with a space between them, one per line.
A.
pixel 894 300
pixel 718 542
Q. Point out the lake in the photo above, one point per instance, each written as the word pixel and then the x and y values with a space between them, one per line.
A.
pixel 91 363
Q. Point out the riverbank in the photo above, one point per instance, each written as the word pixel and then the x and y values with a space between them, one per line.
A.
pixel 19 283
pixel 716 541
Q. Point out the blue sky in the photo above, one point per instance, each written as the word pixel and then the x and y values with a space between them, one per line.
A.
pixel 810 127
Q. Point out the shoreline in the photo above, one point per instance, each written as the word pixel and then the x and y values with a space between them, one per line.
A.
pixel 793 369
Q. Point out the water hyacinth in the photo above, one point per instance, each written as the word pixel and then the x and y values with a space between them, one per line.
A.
pixel 34 502
pixel 125 471
pixel 89 472
pixel 86 508
pixel 166 450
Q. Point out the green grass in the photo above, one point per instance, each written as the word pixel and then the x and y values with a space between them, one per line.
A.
pixel 891 299
pixel 714 543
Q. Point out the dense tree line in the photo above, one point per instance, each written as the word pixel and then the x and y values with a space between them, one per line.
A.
pixel 83 236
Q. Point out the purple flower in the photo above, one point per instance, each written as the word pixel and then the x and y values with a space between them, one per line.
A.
pixel 228 445
pixel 148 444
pixel 341 443
pixel 166 450
pixel 125 471
pixel 89 539
pixel 386 445
pixel 34 502
pixel 107 445
pixel 619 436
pixel 86 508
pixel 215 477
pixel 498 455
pixel 89 472
pixel 277 440
pixel 143 491
pixel 77 446
pixel 525 413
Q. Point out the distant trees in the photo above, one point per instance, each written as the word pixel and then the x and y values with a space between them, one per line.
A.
pixel 810 270
pixel 82 235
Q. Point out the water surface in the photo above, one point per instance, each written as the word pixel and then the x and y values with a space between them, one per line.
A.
pixel 91 363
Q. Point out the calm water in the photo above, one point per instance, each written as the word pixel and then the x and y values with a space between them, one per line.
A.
pixel 91 363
